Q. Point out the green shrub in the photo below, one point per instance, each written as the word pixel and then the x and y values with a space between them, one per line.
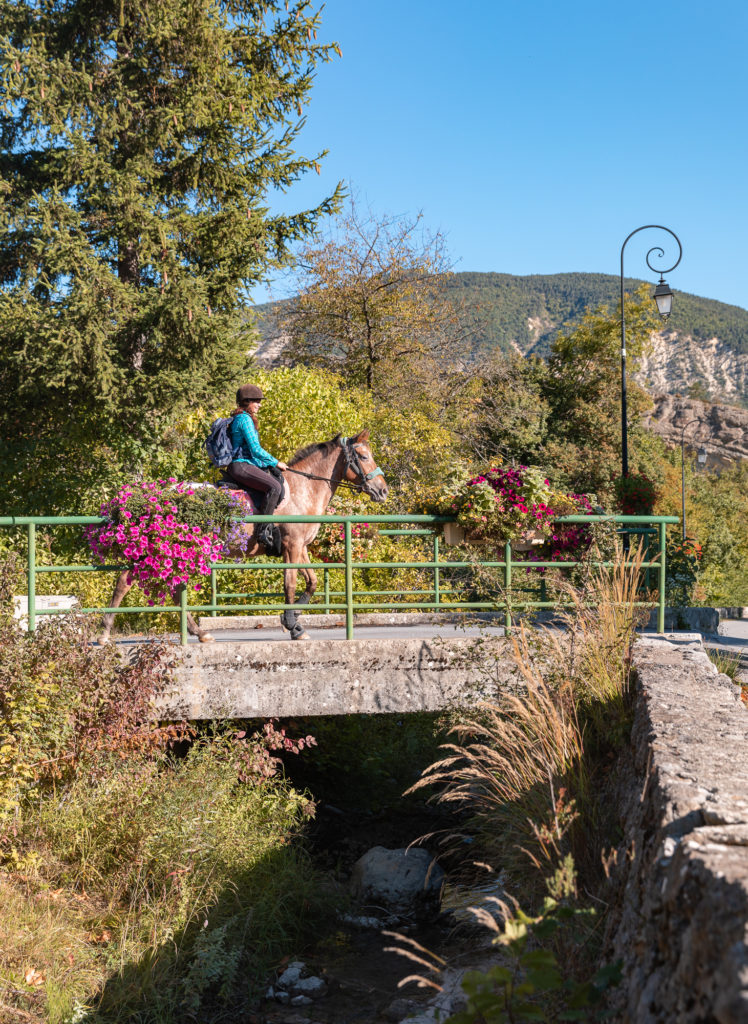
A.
pixel 133 882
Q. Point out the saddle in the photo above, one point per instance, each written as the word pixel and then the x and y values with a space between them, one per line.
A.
pixel 252 499
pixel 267 534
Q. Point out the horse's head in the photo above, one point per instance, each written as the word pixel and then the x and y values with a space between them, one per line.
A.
pixel 360 467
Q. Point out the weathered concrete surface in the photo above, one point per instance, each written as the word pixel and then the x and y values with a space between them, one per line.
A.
pixel 733 613
pixel 682 931
pixel 331 620
pixel 333 677
pixel 702 620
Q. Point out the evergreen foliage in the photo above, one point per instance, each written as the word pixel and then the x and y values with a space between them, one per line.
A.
pixel 504 303
pixel 140 141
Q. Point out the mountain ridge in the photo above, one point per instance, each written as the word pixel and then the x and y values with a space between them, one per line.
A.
pixel 703 348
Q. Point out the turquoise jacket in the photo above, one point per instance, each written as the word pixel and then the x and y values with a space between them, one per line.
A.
pixel 246 442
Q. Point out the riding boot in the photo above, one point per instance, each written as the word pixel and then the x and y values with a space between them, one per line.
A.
pixel 269 533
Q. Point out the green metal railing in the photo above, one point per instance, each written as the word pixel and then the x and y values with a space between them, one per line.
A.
pixel 349 599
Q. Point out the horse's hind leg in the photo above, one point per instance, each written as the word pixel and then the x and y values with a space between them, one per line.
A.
pixel 121 587
pixel 194 630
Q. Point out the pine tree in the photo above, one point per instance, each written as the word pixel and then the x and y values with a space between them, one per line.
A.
pixel 140 140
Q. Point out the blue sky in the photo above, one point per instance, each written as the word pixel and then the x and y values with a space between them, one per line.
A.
pixel 536 136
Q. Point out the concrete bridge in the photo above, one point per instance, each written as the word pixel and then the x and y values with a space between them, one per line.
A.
pixel 398 663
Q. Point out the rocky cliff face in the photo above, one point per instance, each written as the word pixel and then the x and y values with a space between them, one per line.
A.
pixel 721 429
pixel 675 361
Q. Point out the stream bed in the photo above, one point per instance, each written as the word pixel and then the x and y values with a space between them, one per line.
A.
pixel 362 974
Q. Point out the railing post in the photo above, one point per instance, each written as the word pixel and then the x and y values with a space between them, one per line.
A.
pixel 437 572
pixel 213 591
pixel 31 578
pixel 327 590
pixel 348 582
pixel 183 614
pixel 661 595
pixel 507 586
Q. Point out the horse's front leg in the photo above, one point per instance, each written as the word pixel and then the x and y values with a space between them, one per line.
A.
pixel 310 579
pixel 292 552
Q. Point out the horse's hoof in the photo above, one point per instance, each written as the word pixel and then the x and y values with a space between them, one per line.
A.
pixel 206 638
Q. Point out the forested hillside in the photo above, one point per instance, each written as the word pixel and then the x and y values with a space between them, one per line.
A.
pixel 525 314
pixel 529 311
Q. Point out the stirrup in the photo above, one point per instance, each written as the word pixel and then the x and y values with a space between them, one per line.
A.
pixel 269 536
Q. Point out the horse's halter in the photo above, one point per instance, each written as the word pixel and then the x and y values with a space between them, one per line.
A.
pixel 353 462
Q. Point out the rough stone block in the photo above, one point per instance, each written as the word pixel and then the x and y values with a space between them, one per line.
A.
pixel 682 933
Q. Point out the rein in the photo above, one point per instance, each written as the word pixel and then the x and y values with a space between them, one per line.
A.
pixel 351 461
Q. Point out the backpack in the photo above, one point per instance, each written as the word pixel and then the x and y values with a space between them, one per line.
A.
pixel 218 442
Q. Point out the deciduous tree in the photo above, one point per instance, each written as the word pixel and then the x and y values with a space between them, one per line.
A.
pixel 370 305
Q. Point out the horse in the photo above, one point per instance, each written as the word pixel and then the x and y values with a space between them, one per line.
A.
pixel 312 478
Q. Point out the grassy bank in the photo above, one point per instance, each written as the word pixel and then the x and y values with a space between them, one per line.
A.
pixel 146 874
pixel 534 772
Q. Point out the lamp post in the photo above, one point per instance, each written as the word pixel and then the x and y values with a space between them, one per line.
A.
pixel 683 475
pixel 664 299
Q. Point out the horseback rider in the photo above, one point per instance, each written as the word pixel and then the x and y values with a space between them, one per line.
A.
pixel 249 468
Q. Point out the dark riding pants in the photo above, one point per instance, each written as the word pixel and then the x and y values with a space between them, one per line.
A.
pixel 252 478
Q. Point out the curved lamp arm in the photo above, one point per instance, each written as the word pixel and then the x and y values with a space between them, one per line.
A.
pixel 659 251
pixel 655 249
pixel 688 424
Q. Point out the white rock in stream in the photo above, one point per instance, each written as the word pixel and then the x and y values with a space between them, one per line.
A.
pixel 404 882
pixel 313 987
pixel 362 922
pixel 290 976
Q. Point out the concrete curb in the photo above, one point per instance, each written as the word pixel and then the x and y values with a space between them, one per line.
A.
pixel 335 620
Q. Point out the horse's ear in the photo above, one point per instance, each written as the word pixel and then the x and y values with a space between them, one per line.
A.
pixel 362 436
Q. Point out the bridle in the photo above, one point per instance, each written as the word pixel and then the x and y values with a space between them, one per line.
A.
pixel 352 462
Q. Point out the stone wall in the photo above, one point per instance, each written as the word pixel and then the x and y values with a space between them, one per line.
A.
pixel 681 929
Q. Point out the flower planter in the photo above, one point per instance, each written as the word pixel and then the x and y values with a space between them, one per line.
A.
pixel 453 533
pixel 528 540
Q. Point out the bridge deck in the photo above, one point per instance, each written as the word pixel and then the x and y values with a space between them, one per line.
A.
pixel 397 631
pixel 394 668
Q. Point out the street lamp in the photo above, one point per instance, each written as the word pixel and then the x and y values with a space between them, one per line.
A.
pixel 683 474
pixel 664 299
pixel 702 456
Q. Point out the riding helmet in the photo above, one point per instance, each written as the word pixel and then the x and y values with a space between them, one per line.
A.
pixel 248 393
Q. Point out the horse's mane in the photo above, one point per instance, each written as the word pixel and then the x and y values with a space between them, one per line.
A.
pixel 321 447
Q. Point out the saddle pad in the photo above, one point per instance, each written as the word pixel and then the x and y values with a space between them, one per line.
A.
pixel 244 498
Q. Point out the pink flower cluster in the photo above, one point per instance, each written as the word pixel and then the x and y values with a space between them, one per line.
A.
pixel 509 486
pixel 331 542
pixel 569 541
pixel 162 552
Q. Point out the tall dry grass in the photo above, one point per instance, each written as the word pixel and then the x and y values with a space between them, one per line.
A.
pixel 526 768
